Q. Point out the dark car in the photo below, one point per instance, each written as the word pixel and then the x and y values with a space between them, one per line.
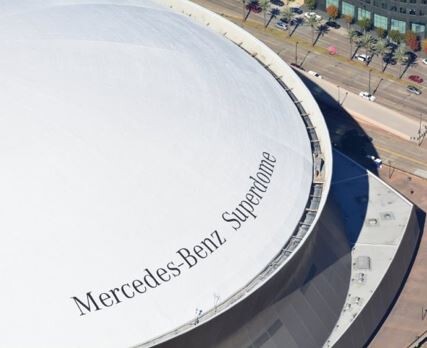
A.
pixel 391 45
pixel 254 7
pixel 358 33
pixel 416 78
pixel 333 24
pixel 277 2
pixel 413 89
pixel 296 10
pixel 297 66
pixel 291 22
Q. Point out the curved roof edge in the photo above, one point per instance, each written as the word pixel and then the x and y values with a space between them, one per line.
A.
pixel 316 129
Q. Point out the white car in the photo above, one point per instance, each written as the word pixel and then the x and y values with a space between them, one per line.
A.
pixel 368 96
pixel 378 162
pixel 315 74
pixel 281 25
pixel 363 57
pixel 424 61
pixel 312 14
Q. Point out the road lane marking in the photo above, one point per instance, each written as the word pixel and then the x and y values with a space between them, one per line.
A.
pixel 410 159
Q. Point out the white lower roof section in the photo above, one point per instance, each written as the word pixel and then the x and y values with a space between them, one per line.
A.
pixel 126 131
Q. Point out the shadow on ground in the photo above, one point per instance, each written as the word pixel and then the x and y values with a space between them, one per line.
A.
pixel 346 134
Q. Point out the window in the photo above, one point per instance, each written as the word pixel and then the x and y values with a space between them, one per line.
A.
pixel 363 14
pixel 412 12
pixel 348 9
pixel 398 25
pixel 402 10
pixel 332 2
pixel 413 1
pixel 380 21
pixel 383 5
pixel 418 28
pixel 393 8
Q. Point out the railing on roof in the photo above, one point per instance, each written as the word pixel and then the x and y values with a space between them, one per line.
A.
pixel 292 243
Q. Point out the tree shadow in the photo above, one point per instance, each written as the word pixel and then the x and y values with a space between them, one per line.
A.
pixel 378 85
pixel 305 57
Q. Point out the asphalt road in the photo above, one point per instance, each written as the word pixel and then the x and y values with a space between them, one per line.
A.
pixel 353 75
pixel 405 155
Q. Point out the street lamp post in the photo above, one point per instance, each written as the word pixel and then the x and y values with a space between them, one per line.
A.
pixel 296 52
pixel 369 81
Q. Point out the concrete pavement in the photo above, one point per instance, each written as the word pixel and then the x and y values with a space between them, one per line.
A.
pixel 371 112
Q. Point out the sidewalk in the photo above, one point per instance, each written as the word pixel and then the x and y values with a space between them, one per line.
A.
pixel 370 112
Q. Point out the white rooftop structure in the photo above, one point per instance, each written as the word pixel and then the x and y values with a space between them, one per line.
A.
pixel 129 136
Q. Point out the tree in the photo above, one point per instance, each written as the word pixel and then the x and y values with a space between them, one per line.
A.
pixel 349 20
pixel 250 6
pixel 381 33
pixel 401 57
pixel 274 13
pixel 332 11
pixel 312 22
pixel 310 4
pixel 365 24
pixel 395 36
pixel 321 30
pixel 287 16
pixel 265 6
pixel 412 41
pixel 352 35
pixel 382 50
pixel 366 41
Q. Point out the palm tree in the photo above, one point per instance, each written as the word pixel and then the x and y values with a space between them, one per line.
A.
pixel 400 56
pixel 312 22
pixel 250 6
pixel 321 30
pixel 382 50
pixel 366 41
pixel 265 6
pixel 352 35
pixel 274 13
pixel 288 16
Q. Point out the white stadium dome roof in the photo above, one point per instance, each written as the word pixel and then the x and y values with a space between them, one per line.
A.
pixel 126 132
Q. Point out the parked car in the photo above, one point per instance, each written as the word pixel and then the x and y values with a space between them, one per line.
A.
pixel 296 10
pixel 281 25
pixel 416 78
pixel 315 74
pixel 424 61
pixel 297 66
pixel 391 45
pixel 277 2
pixel 377 161
pixel 367 96
pixel 254 7
pixel 333 24
pixel 363 57
pixel 312 14
pixel 291 22
pixel 413 89
pixel 358 33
